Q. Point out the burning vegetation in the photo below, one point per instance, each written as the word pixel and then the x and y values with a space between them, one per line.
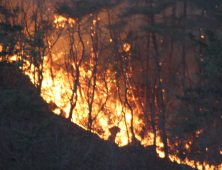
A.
pixel 133 73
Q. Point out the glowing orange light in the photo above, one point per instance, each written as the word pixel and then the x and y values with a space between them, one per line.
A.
pixel 94 22
pixel 61 21
pixel 58 90
pixel 126 47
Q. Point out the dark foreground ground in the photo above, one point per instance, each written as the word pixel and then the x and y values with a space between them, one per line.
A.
pixel 33 138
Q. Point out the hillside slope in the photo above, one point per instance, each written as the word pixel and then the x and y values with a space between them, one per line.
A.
pixel 32 137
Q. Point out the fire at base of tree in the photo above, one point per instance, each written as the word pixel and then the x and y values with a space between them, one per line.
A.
pixel 144 75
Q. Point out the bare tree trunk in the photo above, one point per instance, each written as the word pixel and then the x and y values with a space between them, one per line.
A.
pixel 169 58
pixel 152 110
pixel 147 72
pixel 193 148
pixel 114 40
pixel 74 96
pixel 127 131
pixel 184 44
pixel 161 107
pixel 95 51
pixel 150 99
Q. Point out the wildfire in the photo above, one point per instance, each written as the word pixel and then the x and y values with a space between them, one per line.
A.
pixel 57 90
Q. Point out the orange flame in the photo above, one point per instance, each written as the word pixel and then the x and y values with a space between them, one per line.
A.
pixel 58 90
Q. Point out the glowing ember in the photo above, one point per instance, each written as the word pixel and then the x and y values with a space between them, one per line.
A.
pixel 126 47
pixel 61 21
